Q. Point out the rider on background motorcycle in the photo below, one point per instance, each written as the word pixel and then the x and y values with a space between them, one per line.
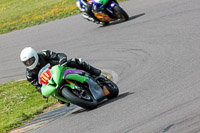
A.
pixel 35 61
pixel 85 6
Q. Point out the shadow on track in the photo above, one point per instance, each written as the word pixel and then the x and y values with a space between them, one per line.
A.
pixel 120 21
pixel 123 95
pixel 105 102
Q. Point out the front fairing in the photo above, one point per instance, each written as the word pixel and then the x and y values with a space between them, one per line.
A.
pixel 48 90
pixel 57 74
pixel 54 82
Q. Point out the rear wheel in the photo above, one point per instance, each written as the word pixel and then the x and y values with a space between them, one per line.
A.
pixel 110 85
pixel 105 23
pixel 112 88
pixel 120 13
pixel 81 98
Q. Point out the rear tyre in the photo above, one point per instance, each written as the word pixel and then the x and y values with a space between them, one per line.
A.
pixel 111 86
pixel 81 99
pixel 105 23
pixel 120 13
pixel 113 89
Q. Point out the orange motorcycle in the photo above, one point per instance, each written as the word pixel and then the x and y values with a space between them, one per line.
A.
pixel 105 11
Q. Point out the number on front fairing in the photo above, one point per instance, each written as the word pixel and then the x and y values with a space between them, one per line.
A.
pixel 42 70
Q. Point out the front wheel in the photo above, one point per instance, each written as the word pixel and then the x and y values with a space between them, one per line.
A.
pixel 120 13
pixel 82 99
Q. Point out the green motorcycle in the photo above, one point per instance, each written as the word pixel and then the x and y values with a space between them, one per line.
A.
pixel 76 86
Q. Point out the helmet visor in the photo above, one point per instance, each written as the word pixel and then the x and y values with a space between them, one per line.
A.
pixel 29 62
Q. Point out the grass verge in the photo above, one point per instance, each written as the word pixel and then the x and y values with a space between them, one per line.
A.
pixel 18 14
pixel 19 102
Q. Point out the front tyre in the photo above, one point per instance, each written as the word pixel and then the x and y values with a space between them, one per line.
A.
pixel 120 13
pixel 81 99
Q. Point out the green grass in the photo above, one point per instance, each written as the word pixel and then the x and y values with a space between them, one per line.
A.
pixel 19 102
pixel 18 14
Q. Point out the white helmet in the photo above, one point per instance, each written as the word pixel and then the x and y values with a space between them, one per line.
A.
pixel 29 57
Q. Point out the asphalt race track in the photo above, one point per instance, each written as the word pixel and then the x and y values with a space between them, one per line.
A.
pixel 155 55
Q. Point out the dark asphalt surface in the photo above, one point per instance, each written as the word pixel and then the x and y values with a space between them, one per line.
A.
pixel 155 55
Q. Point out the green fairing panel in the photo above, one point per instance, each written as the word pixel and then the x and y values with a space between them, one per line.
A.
pixel 58 76
pixel 77 77
pixel 51 81
pixel 47 90
pixel 103 1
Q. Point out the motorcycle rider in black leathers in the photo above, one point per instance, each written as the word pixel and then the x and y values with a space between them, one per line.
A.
pixel 35 61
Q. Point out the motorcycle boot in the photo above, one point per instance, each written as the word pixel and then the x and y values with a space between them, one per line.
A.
pixel 81 64
pixel 88 68
pixel 93 71
pixel 85 16
pixel 88 10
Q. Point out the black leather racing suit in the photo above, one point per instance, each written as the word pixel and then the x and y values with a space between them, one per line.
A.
pixel 47 56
